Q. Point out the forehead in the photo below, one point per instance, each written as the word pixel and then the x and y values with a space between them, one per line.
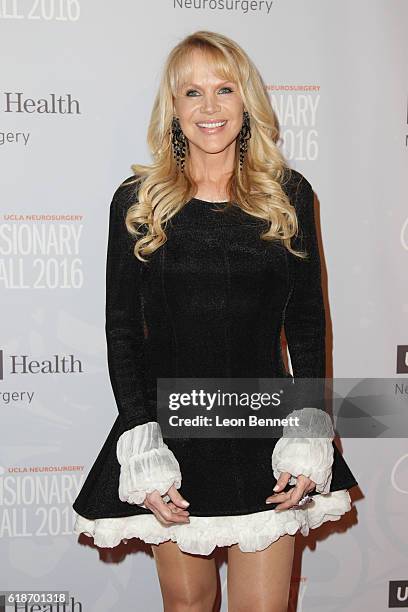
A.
pixel 196 65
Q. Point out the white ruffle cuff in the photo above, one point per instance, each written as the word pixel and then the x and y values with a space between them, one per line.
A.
pixel 147 464
pixel 306 448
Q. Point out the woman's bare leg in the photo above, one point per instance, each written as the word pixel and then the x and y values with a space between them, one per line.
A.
pixel 188 582
pixel 260 580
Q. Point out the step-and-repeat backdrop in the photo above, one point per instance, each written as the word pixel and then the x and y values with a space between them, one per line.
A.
pixel 77 84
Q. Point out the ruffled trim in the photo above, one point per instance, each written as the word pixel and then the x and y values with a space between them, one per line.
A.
pixel 306 448
pixel 251 532
pixel 312 457
pixel 147 464
pixel 310 423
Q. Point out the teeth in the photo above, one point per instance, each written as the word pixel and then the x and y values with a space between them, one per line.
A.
pixel 211 125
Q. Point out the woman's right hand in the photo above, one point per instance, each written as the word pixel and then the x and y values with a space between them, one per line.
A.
pixel 168 513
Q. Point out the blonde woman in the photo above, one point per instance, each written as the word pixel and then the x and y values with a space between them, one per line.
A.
pixel 212 249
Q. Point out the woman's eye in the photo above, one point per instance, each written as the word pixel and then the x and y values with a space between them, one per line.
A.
pixel 192 91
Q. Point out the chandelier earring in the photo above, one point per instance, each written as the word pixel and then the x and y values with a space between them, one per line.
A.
pixel 179 143
pixel 244 136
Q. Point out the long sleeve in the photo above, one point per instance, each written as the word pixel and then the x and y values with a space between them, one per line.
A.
pixel 304 322
pixel 124 326
pixel 147 464
pixel 308 448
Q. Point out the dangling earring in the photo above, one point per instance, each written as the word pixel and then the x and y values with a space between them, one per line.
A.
pixel 244 136
pixel 179 143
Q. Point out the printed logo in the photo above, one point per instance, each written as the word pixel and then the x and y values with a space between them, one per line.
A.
pixel 58 364
pixel 54 104
pixel 398 594
pixel 402 359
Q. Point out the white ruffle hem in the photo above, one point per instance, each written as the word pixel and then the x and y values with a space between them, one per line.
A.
pixel 251 532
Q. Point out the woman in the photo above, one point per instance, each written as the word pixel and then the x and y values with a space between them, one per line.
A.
pixel 211 249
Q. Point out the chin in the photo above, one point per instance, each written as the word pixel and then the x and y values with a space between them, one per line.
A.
pixel 213 147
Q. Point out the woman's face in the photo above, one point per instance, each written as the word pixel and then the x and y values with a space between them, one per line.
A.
pixel 208 99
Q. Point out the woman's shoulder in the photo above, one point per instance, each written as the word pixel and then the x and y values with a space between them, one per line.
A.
pixel 301 196
pixel 295 184
pixel 126 192
pixel 130 185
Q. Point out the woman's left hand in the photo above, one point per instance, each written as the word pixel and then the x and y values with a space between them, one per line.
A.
pixel 290 498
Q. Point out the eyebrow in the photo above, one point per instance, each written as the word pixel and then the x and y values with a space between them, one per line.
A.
pixel 195 85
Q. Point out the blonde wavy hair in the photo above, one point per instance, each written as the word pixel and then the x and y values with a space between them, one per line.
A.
pixel 256 189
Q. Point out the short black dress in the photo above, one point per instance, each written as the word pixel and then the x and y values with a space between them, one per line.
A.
pixel 211 302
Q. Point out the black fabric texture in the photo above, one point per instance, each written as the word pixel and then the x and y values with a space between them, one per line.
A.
pixel 211 302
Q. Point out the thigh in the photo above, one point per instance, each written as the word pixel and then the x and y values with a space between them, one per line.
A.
pixel 260 580
pixel 187 581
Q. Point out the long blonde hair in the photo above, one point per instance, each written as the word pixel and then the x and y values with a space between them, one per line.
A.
pixel 257 189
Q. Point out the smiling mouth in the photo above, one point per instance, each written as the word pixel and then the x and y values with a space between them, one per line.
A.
pixel 211 126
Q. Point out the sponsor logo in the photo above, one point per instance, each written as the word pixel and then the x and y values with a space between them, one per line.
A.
pixel 398 594
pixel 402 359
pixel 53 104
pixel 24 364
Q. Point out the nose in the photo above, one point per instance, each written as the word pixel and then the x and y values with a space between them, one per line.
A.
pixel 210 104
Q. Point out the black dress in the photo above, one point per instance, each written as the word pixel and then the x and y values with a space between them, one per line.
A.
pixel 211 302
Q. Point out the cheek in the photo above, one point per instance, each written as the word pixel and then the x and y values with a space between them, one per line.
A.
pixel 188 114
pixel 235 122
pixel 186 110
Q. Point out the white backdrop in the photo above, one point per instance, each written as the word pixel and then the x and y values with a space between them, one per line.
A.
pixel 337 75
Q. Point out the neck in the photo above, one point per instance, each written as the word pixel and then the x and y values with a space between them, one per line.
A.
pixel 213 169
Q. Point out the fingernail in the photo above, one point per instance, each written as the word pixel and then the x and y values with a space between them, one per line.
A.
pixel 269 502
pixel 276 488
pixel 185 503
